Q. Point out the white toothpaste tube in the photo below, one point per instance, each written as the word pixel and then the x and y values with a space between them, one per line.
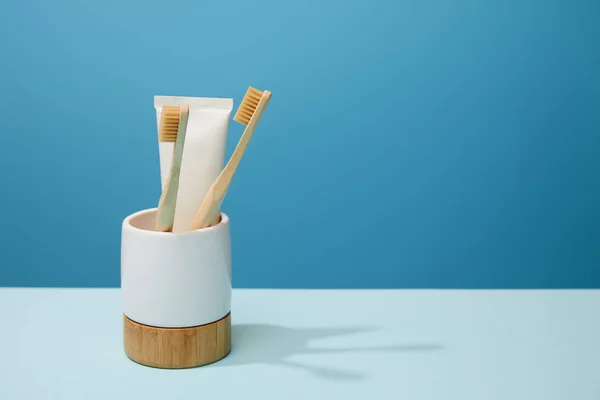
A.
pixel 203 152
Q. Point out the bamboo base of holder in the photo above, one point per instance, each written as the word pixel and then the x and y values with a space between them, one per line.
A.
pixel 177 347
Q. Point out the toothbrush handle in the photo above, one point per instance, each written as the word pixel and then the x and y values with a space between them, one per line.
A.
pixel 166 210
pixel 224 179
pixel 208 213
pixel 165 214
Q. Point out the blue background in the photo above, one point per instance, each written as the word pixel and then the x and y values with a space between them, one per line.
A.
pixel 428 144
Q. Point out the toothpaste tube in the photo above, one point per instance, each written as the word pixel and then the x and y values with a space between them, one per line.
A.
pixel 203 152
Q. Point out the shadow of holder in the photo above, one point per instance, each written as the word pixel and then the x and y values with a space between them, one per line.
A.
pixel 275 345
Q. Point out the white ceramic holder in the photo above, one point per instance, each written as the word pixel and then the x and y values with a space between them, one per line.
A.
pixel 176 290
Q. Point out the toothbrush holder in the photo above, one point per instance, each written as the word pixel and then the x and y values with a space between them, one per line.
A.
pixel 176 292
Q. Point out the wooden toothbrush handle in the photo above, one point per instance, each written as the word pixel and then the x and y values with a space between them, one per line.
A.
pixel 227 174
pixel 166 205
pixel 216 220
pixel 165 213
pixel 209 210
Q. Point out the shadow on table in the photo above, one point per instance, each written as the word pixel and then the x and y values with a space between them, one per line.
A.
pixel 274 345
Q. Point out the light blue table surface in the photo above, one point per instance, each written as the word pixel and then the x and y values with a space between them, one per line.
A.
pixel 317 344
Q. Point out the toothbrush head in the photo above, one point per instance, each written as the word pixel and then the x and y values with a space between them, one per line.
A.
pixel 249 103
pixel 169 124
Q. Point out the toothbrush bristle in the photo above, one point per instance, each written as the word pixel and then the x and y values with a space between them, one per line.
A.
pixel 248 106
pixel 169 124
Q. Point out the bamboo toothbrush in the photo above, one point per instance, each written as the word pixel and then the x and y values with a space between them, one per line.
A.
pixel 248 113
pixel 172 128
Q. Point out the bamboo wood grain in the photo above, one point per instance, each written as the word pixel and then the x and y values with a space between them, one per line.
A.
pixel 175 348
pixel 208 212
pixel 165 214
